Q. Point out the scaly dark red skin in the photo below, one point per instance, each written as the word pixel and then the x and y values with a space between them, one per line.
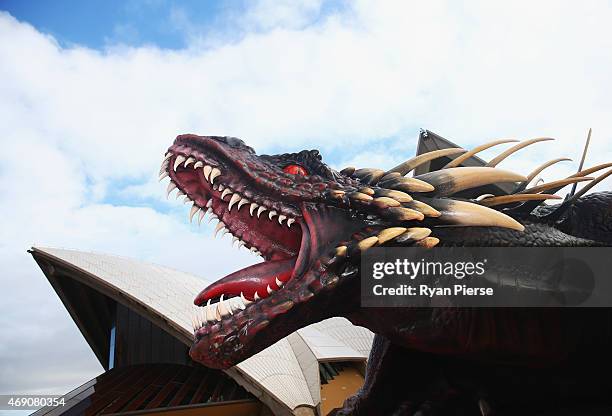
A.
pixel 318 281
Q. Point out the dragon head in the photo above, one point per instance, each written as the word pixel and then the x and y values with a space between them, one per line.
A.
pixel 311 223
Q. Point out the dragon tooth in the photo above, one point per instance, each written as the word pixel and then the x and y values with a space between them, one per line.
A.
pixel 271 214
pixel 179 193
pixel 281 218
pixel 215 187
pixel 168 156
pixel 219 227
pixel 242 202
pixel 215 172
pixel 224 231
pixel 179 159
pixel 252 208
pixel 269 290
pixel 244 300
pixel 186 200
pixel 230 306
pixel 256 296
pixel 209 203
pixel 222 309
pixel 212 217
pixel 163 175
pixel 221 187
pixel 234 239
pixel 194 210
pixel 207 169
pixel 226 192
pixel 252 249
pixel 164 167
pixel 216 312
pixel 260 210
pixel 170 188
pixel 189 161
pixel 238 303
pixel 201 216
pixel 290 221
pixel 198 164
pixel 279 283
pixel 210 313
pixel 235 198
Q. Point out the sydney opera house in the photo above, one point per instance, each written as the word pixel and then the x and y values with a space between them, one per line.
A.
pixel 137 319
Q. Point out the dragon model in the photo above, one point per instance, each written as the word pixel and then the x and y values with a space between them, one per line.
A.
pixel 311 224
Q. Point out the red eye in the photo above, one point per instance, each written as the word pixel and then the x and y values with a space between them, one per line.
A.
pixel 295 170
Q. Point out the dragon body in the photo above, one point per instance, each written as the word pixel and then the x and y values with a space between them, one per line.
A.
pixel 311 224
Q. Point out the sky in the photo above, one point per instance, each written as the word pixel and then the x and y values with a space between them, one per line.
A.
pixel 93 93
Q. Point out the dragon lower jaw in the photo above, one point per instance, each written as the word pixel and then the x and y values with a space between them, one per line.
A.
pixel 231 326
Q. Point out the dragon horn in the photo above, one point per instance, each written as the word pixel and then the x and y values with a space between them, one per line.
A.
pixel 465 213
pixel 591 170
pixel 407 184
pixel 348 171
pixel 369 175
pixel 410 164
pixel 509 199
pixel 543 166
pixel 495 161
pixel 554 185
pixel 588 187
pixel 570 201
pixel 459 160
pixel 452 180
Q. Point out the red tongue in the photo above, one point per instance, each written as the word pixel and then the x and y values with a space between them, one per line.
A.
pixel 252 279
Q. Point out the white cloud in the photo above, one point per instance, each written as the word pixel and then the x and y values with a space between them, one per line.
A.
pixel 76 124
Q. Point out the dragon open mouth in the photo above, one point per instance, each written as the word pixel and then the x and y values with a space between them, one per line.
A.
pixel 236 307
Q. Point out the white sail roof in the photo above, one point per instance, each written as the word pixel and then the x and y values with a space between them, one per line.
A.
pixel 284 375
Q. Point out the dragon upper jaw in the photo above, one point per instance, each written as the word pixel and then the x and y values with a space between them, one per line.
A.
pixel 237 307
